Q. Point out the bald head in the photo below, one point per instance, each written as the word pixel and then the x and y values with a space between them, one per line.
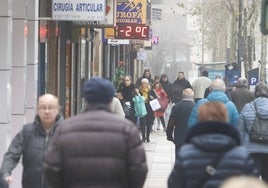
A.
pixel 218 85
pixel 48 109
pixel 48 97
pixel 188 93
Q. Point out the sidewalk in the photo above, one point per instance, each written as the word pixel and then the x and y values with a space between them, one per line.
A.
pixel 160 155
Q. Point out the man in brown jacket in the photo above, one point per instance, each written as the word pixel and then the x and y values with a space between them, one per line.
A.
pixel 96 148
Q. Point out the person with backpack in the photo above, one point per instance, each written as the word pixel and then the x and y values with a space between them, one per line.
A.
pixel 212 152
pixel 246 125
pixel 31 142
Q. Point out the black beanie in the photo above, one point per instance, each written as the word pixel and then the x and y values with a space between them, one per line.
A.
pixel 98 90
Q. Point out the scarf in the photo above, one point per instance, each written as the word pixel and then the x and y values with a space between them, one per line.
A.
pixel 145 93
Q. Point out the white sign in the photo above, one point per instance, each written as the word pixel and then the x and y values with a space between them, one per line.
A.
pixel 118 41
pixel 141 55
pixel 109 18
pixel 71 10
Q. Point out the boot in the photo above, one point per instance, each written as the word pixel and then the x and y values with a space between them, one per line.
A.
pixel 147 137
pixel 143 137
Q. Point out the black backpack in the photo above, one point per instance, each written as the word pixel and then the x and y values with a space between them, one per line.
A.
pixel 259 130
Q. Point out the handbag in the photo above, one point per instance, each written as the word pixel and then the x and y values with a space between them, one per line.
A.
pixel 155 105
pixel 128 110
pixel 139 106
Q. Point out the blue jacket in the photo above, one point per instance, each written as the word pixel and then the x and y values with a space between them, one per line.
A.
pixel 215 96
pixel 246 119
pixel 205 143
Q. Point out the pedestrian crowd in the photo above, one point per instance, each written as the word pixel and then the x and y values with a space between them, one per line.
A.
pixel 217 141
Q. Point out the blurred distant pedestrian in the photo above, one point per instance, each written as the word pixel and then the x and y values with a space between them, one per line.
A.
pixel 200 85
pixel 146 74
pixel 212 152
pixel 125 94
pixel 178 86
pixel 163 100
pixel 167 86
pixel 96 148
pixel 217 93
pixel 177 123
pixel 31 142
pixel 241 94
pixel 247 117
pixel 146 122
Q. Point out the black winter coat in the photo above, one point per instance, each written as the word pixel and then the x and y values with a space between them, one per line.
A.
pixel 178 121
pixel 167 86
pixel 205 143
pixel 178 86
pixel 96 149
pixel 30 143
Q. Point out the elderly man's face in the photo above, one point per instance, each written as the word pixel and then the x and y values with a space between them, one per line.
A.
pixel 48 109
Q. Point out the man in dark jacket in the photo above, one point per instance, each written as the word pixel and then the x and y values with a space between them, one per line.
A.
pixel 146 74
pixel 31 142
pixel 178 86
pixel 241 94
pixel 96 148
pixel 212 152
pixel 178 119
pixel 167 86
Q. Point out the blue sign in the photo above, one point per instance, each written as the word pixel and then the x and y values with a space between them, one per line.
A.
pixel 232 74
pixel 253 77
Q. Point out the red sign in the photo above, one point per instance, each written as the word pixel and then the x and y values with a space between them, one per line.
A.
pixel 137 31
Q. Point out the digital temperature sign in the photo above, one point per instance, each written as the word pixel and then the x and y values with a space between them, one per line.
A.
pixel 137 31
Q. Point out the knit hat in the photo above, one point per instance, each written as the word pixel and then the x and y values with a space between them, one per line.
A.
pixel 98 90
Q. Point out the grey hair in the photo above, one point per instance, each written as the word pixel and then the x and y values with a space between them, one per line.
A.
pixel 261 90
pixel 145 80
pixel 218 85
pixel 188 93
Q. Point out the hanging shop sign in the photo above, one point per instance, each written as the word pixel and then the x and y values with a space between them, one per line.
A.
pixel 109 33
pixel 133 12
pixel 108 22
pixel 72 10
pixel 141 55
pixel 118 41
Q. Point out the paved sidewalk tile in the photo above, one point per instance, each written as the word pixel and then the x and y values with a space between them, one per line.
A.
pixel 160 159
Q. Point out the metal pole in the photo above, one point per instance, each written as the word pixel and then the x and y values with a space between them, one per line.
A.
pixel 240 39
